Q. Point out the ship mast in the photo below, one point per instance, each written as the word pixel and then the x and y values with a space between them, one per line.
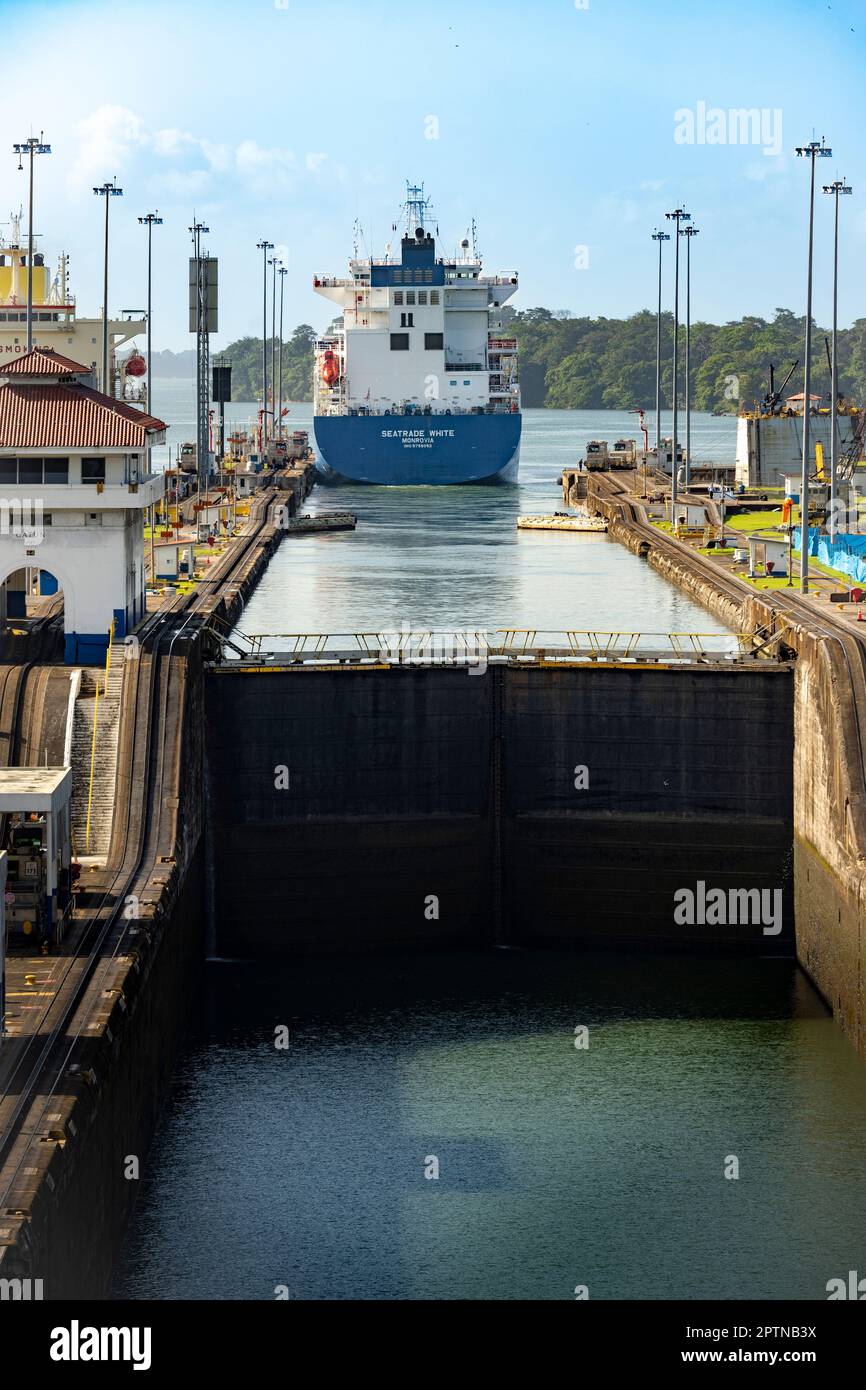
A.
pixel 415 208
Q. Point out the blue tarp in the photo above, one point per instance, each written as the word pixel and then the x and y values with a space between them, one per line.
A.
pixel 847 553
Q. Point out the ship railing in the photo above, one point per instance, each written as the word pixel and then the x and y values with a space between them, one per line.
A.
pixel 475 647
pixel 398 409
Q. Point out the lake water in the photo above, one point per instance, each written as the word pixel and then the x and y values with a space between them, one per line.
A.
pixel 310 1168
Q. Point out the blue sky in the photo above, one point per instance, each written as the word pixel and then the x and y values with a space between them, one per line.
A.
pixel 555 128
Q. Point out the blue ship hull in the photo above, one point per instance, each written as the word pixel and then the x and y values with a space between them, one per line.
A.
pixel 418 450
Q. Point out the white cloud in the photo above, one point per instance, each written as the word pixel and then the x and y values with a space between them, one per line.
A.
pixel 112 137
pixel 759 170
pixel 107 137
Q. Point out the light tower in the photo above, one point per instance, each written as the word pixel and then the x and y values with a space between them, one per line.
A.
pixel 814 150
pixel 264 247
pixel 202 358
pixel 107 191
pixel 283 273
pixel 31 146
pixel 677 216
pixel 836 188
pixel 659 237
pixel 273 262
pixel 688 233
pixel 151 220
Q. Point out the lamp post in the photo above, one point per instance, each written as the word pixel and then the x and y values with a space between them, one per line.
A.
pixel 659 237
pixel 31 146
pixel 273 263
pixel 839 186
pixel 150 221
pixel 814 150
pixel 677 216
pixel 283 273
pixel 107 191
pixel 264 247
pixel 688 233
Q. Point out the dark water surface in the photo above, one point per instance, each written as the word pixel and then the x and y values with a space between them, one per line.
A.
pixel 558 1167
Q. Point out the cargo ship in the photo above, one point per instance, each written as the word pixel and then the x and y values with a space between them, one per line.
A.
pixel 419 383
pixel 56 324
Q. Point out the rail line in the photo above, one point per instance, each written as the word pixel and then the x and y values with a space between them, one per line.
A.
pixel 50 1054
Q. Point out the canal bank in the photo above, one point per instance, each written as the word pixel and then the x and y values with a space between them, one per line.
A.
pixel 829 719
pixel 77 1126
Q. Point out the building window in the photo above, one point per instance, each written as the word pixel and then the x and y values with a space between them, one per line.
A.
pixel 8 470
pixel 92 470
pixel 434 342
pixel 398 296
pixel 57 470
pixel 452 383
pixel 434 296
pixel 410 296
pixel 422 296
pixel 399 342
pixel 466 381
pixel 30 471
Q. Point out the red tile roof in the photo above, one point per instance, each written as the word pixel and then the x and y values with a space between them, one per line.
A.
pixel 61 415
pixel 43 362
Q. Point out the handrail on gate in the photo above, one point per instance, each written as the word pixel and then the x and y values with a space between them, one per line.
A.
pixel 434 646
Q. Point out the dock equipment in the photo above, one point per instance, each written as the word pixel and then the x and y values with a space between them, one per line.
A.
pixel 39 879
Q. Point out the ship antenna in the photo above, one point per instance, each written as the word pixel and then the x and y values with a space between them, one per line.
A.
pixel 474 241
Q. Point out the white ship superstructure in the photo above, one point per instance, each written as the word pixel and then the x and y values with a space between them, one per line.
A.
pixel 419 384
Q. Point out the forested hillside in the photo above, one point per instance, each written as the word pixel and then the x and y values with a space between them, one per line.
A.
pixel 583 363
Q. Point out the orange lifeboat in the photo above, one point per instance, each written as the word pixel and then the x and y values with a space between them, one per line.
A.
pixel 330 367
pixel 136 365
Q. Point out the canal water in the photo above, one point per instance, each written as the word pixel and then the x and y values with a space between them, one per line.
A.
pixel 310 1169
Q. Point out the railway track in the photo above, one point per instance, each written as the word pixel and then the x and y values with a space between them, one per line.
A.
pixel 137 834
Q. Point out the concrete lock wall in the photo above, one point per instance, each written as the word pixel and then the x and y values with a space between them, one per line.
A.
pixel 362 808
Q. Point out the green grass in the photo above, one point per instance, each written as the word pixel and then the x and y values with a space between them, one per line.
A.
pixel 754 521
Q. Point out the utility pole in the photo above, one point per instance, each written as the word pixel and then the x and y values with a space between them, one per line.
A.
pixel 840 186
pixel 812 151
pixel 150 221
pixel 283 274
pixel 264 247
pixel 677 216
pixel 31 146
pixel 107 191
pixel 688 233
pixel 659 237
